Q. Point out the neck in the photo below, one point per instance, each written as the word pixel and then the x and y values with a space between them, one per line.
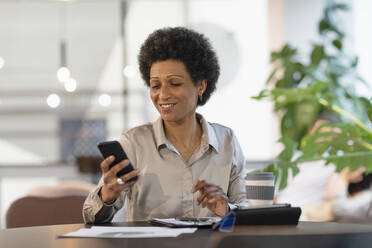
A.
pixel 184 133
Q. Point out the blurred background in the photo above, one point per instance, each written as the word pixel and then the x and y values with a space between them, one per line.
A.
pixel 69 76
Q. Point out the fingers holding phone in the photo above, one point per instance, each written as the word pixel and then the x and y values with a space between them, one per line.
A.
pixel 113 185
pixel 118 173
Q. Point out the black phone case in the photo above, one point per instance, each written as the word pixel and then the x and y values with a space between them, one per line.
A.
pixel 268 216
pixel 109 148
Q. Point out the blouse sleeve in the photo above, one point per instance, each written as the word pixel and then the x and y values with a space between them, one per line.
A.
pixel 96 211
pixel 236 191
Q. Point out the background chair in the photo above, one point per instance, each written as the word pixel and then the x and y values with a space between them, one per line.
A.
pixel 49 205
pixel 38 211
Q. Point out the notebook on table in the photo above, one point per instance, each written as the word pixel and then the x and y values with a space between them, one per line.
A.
pixel 185 222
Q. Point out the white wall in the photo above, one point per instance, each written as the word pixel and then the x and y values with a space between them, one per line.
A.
pixel 301 19
pixel 363 41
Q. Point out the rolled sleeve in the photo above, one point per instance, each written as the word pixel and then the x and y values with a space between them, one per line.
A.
pixel 95 211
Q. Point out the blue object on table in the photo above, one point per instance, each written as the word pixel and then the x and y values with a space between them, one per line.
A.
pixel 226 224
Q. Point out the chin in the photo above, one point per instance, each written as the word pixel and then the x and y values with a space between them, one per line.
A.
pixel 170 117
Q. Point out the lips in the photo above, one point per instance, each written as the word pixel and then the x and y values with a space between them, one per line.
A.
pixel 167 106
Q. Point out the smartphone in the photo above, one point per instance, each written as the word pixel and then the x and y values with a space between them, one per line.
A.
pixel 109 148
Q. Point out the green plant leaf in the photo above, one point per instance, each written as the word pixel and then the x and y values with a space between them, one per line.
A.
pixel 301 108
pixel 345 160
pixel 337 44
pixel 263 94
pixel 318 87
pixel 355 61
pixel 284 97
pixel 326 26
pixel 323 26
pixel 317 55
pixel 288 51
pixel 272 74
pixel 282 171
pixel 295 170
pixel 289 149
pixel 274 169
pixel 332 140
pixel 284 167
pixel 353 160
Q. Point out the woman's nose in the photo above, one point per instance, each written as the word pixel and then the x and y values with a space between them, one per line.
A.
pixel 164 92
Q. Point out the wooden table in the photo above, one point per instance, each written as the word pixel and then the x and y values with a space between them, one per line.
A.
pixel 306 234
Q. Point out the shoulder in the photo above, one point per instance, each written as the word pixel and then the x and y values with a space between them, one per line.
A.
pixel 225 138
pixel 220 127
pixel 221 131
pixel 135 139
pixel 221 137
pixel 144 131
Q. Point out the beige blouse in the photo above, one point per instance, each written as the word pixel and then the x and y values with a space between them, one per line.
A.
pixel 163 189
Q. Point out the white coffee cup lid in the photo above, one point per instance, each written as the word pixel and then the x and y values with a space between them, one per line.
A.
pixel 260 176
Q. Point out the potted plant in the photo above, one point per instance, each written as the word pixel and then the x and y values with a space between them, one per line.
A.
pixel 302 91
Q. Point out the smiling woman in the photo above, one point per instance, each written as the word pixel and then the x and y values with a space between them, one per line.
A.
pixel 173 92
pixel 187 167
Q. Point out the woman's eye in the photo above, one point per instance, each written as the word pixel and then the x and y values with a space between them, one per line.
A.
pixel 155 86
pixel 175 84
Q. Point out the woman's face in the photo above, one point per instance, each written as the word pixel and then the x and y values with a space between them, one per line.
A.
pixel 172 90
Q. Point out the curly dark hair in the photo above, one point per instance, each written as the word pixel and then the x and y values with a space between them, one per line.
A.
pixel 184 45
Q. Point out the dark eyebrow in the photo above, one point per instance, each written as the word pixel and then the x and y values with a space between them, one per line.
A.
pixel 173 75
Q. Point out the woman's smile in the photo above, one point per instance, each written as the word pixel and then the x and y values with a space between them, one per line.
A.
pixel 167 106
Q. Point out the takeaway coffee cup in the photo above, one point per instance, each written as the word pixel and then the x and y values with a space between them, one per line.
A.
pixel 260 188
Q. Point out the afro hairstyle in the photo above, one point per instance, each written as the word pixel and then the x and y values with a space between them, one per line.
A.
pixel 187 46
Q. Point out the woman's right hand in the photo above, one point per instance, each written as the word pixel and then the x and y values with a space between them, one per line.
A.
pixel 111 188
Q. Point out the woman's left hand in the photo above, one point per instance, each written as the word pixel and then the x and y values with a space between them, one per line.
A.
pixel 212 197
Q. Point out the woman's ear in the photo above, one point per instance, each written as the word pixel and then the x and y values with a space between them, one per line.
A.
pixel 202 87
